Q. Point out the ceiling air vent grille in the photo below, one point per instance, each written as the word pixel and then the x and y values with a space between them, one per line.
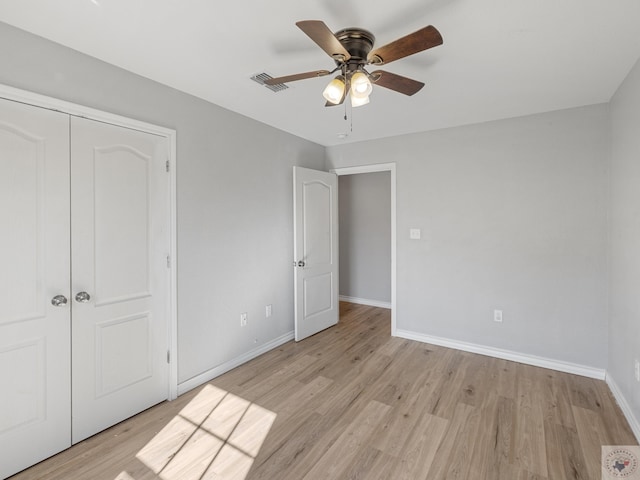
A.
pixel 262 77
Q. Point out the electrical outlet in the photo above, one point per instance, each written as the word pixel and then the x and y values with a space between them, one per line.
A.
pixel 497 315
pixel 243 319
pixel 267 311
pixel 637 370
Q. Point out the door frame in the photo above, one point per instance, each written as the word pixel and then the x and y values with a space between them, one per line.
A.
pixel 373 168
pixel 43 101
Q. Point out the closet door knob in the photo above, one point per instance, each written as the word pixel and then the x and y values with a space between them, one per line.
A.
pixel 83 297
pixel 59 301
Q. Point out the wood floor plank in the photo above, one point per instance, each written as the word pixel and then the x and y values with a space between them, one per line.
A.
pixel 502 378
pixel 584 392
pixel 363 466
pixel 553 443
pixel 352 440
pixel 592 434
pixel 529 446
pixel 262 386
pixel 420 448
pixel 454 447
pixel 294 430
pixel 384 468
pixel 501 464
pixel 488 454
pixel 407 399
pixel 354 403
pixel 288 453
pixel 352 386
pixel 565 454
pixel 554 397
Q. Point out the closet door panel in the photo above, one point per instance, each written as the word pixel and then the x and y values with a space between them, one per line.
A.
pixel 120 241
pixel 35 409
pixel 121 206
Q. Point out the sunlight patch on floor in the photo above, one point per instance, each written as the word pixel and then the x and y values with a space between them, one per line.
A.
pixel 216 436
pixel 124 476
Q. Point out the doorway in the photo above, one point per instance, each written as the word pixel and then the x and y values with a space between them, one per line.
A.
pixel 391 169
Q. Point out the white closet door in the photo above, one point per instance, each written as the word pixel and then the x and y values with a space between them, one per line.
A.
pixel 120 242
pixel 35 407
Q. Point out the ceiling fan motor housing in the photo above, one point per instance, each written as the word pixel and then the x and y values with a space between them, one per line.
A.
pixel 358 42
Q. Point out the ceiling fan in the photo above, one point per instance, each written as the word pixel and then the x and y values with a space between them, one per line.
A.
pixel 351 49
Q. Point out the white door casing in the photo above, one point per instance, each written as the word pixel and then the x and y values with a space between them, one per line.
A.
pixel 35 408
pixel 315 225
pixel 391 168
pixel 120 243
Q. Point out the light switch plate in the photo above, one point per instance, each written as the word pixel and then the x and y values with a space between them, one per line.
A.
pixel 415 234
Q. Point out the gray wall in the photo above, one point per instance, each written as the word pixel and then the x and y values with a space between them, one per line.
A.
pixel 624 325
pixel 365 236
pixel 514 217
pixel 234 196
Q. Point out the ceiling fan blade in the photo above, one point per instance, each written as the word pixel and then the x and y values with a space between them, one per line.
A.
pixel 297 76
pixel 395 82
pixel 326 40
pixel 415 42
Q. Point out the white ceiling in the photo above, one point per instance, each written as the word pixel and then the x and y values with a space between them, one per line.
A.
pixel 500 58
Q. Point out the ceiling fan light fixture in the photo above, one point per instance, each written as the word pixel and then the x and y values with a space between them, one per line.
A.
pixel 360 85
pixel 358 101
pixel 335 90
pixel 352 50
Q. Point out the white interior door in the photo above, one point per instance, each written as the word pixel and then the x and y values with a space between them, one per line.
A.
pixel 35 407
pixel 315 224
pixel 120 243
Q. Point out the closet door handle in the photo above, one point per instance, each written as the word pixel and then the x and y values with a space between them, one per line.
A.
pixel 83 297
pixel 59 301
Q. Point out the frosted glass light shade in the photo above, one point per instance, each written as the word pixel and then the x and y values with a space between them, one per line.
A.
pixel 334 92
pixel 360 85
pixel 358 102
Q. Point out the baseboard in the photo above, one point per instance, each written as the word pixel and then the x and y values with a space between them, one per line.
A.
pixel 198 380
pixel 624 406
pixel 558 365
pixel 364 301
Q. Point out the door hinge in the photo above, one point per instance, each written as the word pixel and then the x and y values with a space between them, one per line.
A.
pixel 167 165
pixel 168 261
pixel 168 356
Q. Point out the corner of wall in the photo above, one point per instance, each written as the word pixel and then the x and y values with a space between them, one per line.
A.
pixel 634 423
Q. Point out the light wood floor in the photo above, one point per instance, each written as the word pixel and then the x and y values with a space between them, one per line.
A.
pixel 354 403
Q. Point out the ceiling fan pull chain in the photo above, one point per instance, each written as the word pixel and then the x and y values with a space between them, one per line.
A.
pixel 351 125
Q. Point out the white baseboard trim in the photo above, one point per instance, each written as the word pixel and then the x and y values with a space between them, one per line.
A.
pixel 558 365
pixel 624 406
pixel 364 301
pixel 198 380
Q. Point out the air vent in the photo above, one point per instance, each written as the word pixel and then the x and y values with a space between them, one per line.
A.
pixel 262 77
